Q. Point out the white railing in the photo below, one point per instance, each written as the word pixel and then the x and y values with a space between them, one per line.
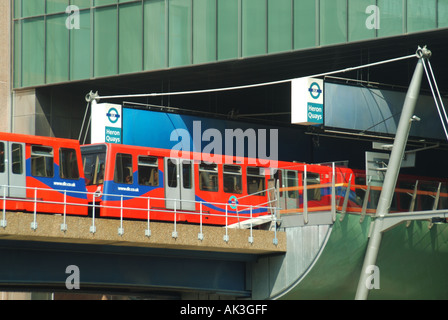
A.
pixel 270 217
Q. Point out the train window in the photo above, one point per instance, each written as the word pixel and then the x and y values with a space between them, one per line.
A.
pixel 186 175
pixel 68 164
pixel 232 179
pixel 2 157
pixel 313 179
pixel 279 178
pixel 208 177
pixel 42 161
pixel 17 156
pixel 292 182
pixel 255 181
pixel 172 173
pixel 148 171
pixel 123 168
pixel 93 158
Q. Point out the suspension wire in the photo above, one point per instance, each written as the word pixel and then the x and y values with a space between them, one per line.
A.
pixel 432 79
pixel 253 85
pixel 83 122
pixel 438 92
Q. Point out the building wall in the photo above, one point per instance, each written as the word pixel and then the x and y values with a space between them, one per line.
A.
pixel 5 66
pixel 114 37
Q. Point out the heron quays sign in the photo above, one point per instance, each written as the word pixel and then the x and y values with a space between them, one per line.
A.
pixel 307 101
pixel 106 123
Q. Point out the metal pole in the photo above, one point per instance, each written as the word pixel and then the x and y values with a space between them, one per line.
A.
pixel 390 180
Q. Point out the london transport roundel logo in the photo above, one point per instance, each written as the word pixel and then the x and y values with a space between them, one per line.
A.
pixel 113 115
pixel 315 90
pixel 233 201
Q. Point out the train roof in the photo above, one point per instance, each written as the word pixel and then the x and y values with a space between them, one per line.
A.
pixel 18 137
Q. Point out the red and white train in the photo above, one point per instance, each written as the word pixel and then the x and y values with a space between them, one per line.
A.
pixel 54 175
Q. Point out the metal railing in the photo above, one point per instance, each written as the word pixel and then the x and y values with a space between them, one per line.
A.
pixel 243 219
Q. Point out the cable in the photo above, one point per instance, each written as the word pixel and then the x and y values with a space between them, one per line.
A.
pixel 253 85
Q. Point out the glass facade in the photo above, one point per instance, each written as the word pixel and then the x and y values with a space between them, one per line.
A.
pixel 100 38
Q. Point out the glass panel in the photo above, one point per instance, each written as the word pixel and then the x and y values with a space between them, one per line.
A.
pixel 233 179
pixel 2 157
pixel 17 158
pixel 442 14
pixel 80 48
pixel 42 161
pixel 279 25
pixel 421 15
pixel 17 8
pixel 358 29
pixel 81 4
pixel 104 2
pixel 186 175
pixel 254 27
pixel 33 8
pixel 94 165
pixel 105 47
pixel 228 29
pixel 172 173
pixel 154 41
pixel 204 30
pixel 208 177
pixel 131 28
pixel 33 52
pixel 148 171
pixel 180 32
pixel 333 21
pixel 17 54
pixel 68 164
pixel 391 13
pixel 291 181
pixel 54 6
pixel 313 179
pixel 57 51
pixel 255 181
pixel 304 24
pixel 123 168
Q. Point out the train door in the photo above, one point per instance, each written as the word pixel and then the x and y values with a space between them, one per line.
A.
pixel 12 168
pixel 292 193
pixel 179 184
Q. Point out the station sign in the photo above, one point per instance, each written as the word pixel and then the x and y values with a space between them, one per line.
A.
pixel 106 125
pixel 307 101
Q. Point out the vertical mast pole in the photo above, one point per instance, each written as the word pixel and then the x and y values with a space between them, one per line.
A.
pixel 390 180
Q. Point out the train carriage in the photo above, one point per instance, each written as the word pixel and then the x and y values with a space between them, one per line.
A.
pixel 41 173
pixel 132 182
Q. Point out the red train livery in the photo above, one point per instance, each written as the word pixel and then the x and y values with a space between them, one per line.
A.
pixel 53 175
pixel 34 170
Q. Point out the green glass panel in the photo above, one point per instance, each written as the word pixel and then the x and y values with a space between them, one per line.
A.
pixel 333 21
pixel 17 54
pixel 104 2
pixel 180 37
pixel 304 24
pixel 204 31
pixel 131 46
pixel 57 51
pixel 33 52
pixel 391 17
pixel 33 8
pixel 421 15
pixel 254 27
pixel 123 1
pixel 279 25
pixel 228 29
pixel 81 4
pixel 17 8
pixel 54 6
pixel 105 42
pixel 154 35
pixel 357 18
pixel 443 13
pixel 80 48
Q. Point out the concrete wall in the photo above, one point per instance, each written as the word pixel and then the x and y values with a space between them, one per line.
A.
pixel 5 65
